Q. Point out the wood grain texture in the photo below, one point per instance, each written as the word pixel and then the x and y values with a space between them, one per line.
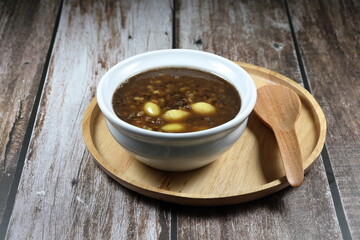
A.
pixel 280 107
pixel 257 33
pixel 245 31
pixel 25 32
pixel 63 194
pixel 328 34
pixel 249 170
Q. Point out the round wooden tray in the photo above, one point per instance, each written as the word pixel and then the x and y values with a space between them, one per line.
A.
pixel 251 169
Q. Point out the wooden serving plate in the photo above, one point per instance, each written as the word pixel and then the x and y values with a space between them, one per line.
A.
pixel 251 169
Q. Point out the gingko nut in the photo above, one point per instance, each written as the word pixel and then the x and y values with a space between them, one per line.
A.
pixel 175 115
pixel 203 108
pixel 151 109
pixel 173 127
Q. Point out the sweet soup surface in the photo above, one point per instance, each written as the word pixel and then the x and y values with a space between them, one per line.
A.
pixel 176 100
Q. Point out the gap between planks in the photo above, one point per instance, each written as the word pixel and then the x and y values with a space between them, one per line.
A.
pixel 339 208
pixel 29 130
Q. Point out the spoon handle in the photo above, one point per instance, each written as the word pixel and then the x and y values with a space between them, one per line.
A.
pixel 291 156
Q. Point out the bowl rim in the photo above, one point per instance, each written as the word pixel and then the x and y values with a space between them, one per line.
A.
pixel 243 113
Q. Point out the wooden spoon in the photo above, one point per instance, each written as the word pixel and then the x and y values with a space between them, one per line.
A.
pixel 279 107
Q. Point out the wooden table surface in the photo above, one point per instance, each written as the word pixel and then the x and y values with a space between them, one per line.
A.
pixel 53 54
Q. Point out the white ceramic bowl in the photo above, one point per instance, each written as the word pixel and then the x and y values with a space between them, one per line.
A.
pixel 177 151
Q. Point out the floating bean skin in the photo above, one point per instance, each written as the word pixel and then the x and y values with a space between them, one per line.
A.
pixel 186 99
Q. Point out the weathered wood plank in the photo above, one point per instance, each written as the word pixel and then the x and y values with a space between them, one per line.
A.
pixel 62 192
pixel 328 34
pixel 289 214
pixel 258 33
pixel 25 32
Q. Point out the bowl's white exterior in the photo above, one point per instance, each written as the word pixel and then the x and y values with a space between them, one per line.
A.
pixel 176 151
